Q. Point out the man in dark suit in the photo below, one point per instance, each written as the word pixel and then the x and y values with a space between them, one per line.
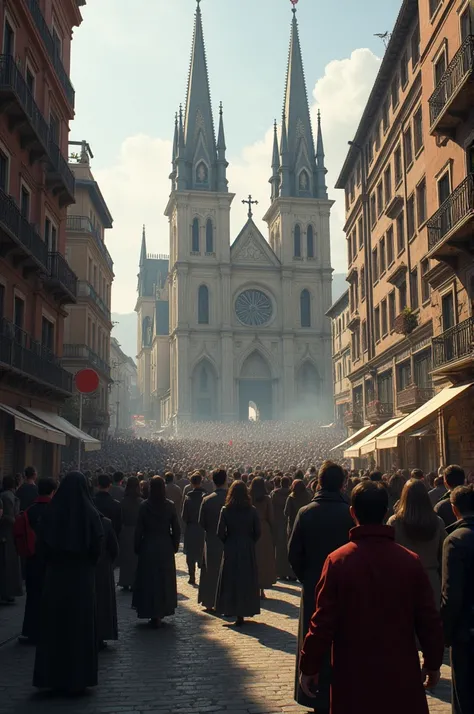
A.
pixel 454 476
pixel 106 505
pixel 211 508
pixel 117 491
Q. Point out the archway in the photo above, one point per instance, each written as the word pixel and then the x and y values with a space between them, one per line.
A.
pixel 453 439
pixel 256 388
pixel 308 390
pixel 204 391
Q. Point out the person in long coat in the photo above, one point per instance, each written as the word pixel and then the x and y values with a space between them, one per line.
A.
pixel 279 497
pixel 175 494
pixel 70 538
pixel 265 547
pixel 107 623
pixel 10 569
pixel 320 527
pixel 239 530
pixel 373 602
pixel 194 533
pixel 298 498
pixel 128 558
pixel 157 537
pixel 213 548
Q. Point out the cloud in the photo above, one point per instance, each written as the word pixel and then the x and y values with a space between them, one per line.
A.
pixel 137 186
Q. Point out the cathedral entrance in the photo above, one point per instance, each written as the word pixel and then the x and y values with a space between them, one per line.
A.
pixel 308 391
pixel 204 390
pixel 255 389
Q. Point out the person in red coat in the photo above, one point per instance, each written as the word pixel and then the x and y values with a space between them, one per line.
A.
pixel 372 601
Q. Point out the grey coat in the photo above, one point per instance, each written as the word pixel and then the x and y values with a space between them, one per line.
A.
pixel 213 549
pixel 10 571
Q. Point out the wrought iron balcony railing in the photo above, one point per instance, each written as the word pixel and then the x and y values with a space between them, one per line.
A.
pixel 61 274
pixel 354 418
pixel 412 397
pixel 87 290
pixel 51 49
pixel 22 232
pixel 460 67
pixel 83 352
pixel 61 169
pixel 83 224
pixel 379 411
pixel 457 207
pixel 454 344
pixel 21 352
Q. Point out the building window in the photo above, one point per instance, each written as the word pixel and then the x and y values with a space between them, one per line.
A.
pixel 373 210
pixel 354 243
pixel 305 306
pixel 408 146
pixel 415 47
pixel 310 242
pixel 54 127
pixel 394 91
pixel 47 334
pixel 397 157
pixel 370 150
pixel 203 305
pixel 25 202
pixel 358 173
pixel 404 69
pixel 383 316
pixel 444 188
pixel 297 246
pixel 209 236
pixel 421 202
pixel 402 296
pixel 50 235
pixel 195 236
pixel 403 375
pixel 360 231
pixel 362 283
pixel 385 116
pixel 377 323
pixel 387 182
pixel 375 265
pixel 377 137
pixel 364 336
pixel 4 172
pixel 8 40
pixel 57 41
pixel 418 130
pixel 425 286
pixel 349 250
pixel 414 289
pixel 380 199
pixel 411 216
pixel 390 253
pixel 440 67
pixel 465 24
pixel 383 264
pixel 19 312
pixel 400 232
pixel 391 310
pixel 434 5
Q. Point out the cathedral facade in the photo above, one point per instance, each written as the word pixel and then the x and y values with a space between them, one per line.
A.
pixel 227 324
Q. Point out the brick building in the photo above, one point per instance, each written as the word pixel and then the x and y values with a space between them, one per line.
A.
pixel 341 358
pixel 402 206
pixel 36 186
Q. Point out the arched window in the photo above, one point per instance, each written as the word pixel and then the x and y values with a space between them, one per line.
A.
pixel 195 236
pixel 203 305
pixel 310 242
pixel 297 241
pixel 209 236
pixel 305 304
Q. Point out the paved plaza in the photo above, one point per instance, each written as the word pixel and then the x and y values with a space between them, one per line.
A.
pixel 196 665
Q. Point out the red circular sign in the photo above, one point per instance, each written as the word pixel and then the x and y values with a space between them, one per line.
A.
pixel 87 381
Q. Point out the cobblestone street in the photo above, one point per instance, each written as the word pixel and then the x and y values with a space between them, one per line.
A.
pixel 195 665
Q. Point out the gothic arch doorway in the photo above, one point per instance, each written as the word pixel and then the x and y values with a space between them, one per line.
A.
pixel 308 391
pixel 255 388
pixel 204 391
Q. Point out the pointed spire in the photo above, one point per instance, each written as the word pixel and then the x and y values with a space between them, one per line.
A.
pixel 222 163
pixel 321 187
pixel 284 167
pixel 275 179
pixel 174 172
pixel 221 147
pixel 143 249
pixel 181 144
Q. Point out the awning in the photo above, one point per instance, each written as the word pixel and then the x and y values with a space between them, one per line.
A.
pixel 421 432
pixel 58 422
pixel 351 439
pixel 367 444
pixel 35 428
pixel 423 414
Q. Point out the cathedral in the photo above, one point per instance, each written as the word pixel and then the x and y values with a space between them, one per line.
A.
pixel 231 326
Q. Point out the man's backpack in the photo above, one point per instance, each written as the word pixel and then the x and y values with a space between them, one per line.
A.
pixel 24 535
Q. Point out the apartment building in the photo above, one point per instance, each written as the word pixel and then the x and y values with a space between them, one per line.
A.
pixel 341 359
pixel 36 185
pixel 88 327
pixel 124 392
pixel 409 217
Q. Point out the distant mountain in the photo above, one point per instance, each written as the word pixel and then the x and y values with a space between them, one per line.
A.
pixel 125 329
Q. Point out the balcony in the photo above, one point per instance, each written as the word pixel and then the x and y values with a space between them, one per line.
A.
pixel 412 397
pixel 18 104
pixel 19 238
pixel 81 353
pixel 86 290
pixel 450 230
pixel 24 359
pixel 83 224
pixel 61 279
pixel 379 412
pixel 394 206
pixel 51 50
pixel 453 351
pixel 354 419
pixel 59 177
pixel 453 98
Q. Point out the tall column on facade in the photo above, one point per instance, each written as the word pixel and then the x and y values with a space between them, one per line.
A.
pixel 183 411
pixel 288 387
pixel 227 356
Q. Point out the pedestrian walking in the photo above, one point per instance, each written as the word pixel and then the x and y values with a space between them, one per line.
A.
pixel 454 476
pixel 320 527
pixel 157 537
pixel 28 491
pixel 265 546
pixel 10 569
pixel 106 602
pixel 117 490
pixel 70 537
pixel 129 515
pixel 106 505
pixel 213 548
pixel 175 494
pixel 239 530
pixel 194 533
pixel 457 608
pixel 373 602
pixel 279 498
pixel 298 497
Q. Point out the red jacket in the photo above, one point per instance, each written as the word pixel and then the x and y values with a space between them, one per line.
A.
pixel 373 597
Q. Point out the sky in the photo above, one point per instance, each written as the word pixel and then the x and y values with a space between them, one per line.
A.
pixel 130 70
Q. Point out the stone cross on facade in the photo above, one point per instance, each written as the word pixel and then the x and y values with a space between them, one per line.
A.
pixel 250 203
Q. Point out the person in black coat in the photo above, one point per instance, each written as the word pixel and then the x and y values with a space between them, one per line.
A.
pixel 28 491
pixel 457 598
pixel 320 528
pixel 194 533
pixel 106 602
pixel 106 505
pixel 454 476
pixel 35 564
pixel 214 548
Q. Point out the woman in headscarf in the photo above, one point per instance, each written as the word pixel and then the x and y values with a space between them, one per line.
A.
pixel 265 547
pixel 157 535
pixel 70 538
pixel 128 558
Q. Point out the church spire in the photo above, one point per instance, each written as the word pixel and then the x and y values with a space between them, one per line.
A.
pixel 173 173
pixel 143 249
pixel 321 187
pixel 275 179
pixel 222 163
pixel 301 155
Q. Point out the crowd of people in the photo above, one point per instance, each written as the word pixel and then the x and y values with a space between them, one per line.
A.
pixel 385 563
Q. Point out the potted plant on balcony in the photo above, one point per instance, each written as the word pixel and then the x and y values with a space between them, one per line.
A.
pixel 406 322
